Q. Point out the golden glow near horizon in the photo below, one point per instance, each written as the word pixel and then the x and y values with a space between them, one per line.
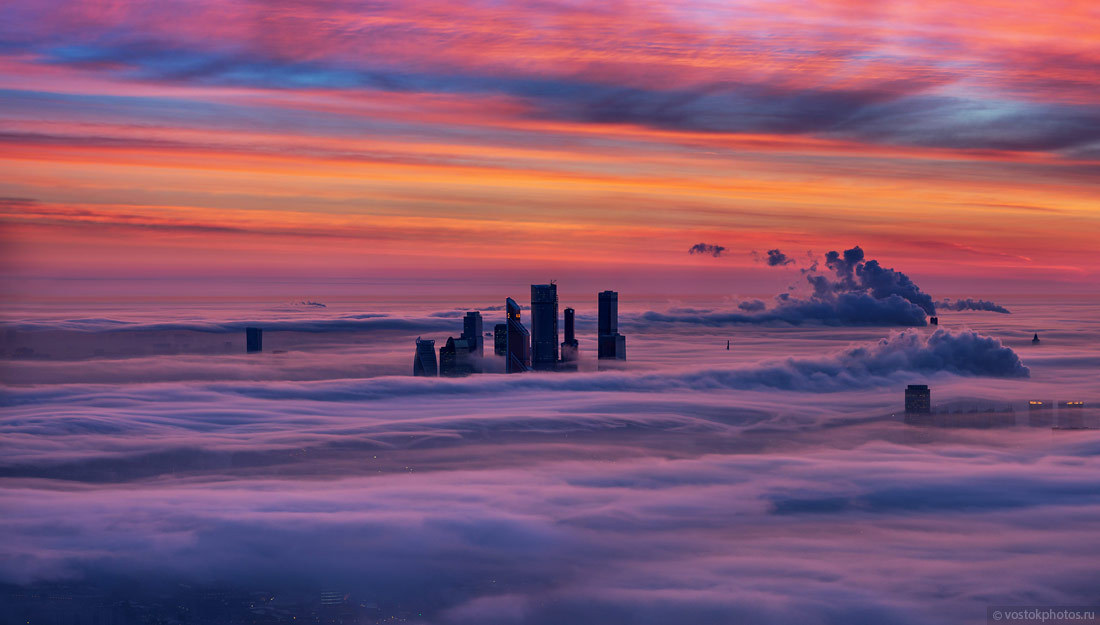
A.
pixel 426 136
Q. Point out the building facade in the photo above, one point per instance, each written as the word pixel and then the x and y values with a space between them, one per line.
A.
pixel 518 348
pixel 918 399
pixel 544 326
pixel 472 332
pixel 254 340
pixel 610 345
pixel 569 347
pixel 500 339
pixel 456 358
pixel 424 362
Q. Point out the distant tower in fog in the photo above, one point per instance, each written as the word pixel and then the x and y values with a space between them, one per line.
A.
pixel 471 331
pixel 1035 339
pixel 424 362
pixel 569 347
pixel 918 399
pixel 609 343
pixel 254 340
pixel 500 339
pixel 544 326
pixel 518 348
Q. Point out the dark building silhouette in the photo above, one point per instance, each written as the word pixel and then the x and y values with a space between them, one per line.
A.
pixel 424 362
pixel 518 348
pixel 918 399
pixel 569 347
pixel 254 340
pixel 1035 339
pixel 934 321
pixel 500 339
pixel 544 326
pixel 472 332
pixel 456 358
pixel 609 343
pixel 448 359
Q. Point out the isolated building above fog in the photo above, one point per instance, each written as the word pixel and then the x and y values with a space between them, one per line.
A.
pixel 918 399
pixel 254 340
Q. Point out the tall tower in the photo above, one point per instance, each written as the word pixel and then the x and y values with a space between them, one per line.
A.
pixel 609 343
pixel 471 331
pixel 544 326
pixel 424 361
pixel 569 347
pixel 254 340
pixel 518 348
pixel 608 313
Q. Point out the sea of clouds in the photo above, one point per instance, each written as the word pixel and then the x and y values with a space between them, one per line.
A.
pixel 774 482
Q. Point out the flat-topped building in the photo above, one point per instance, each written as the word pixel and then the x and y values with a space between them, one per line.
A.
pixel 610 345
pixel 918 399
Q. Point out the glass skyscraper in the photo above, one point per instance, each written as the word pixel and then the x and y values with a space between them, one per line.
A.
pixel 472 332
pixel 500 339
pixel 569 347
pixel 609 343
pixel 424 362
pixel 518 347
pixel 544 326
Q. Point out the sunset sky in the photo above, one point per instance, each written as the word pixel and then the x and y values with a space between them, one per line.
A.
pixel 421 139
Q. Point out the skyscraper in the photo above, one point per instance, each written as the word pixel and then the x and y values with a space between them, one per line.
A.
pixel 254 340
pixel 424 362
pixel 500 339
pixel 918 399
pixel 518 348
pixel 609 343
pixel 544 326
pixel 456 358
pixel 608 322
pixel 472 332
pixel 569 347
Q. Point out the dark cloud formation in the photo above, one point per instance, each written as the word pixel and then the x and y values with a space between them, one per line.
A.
pixel 972 304
pixel 752 305
pixel 707 248
pixel 775 258
pixel 854 274
pixel 858 292
pixel 893 113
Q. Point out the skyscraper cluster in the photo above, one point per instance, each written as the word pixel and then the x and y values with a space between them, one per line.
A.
pixel 524 350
